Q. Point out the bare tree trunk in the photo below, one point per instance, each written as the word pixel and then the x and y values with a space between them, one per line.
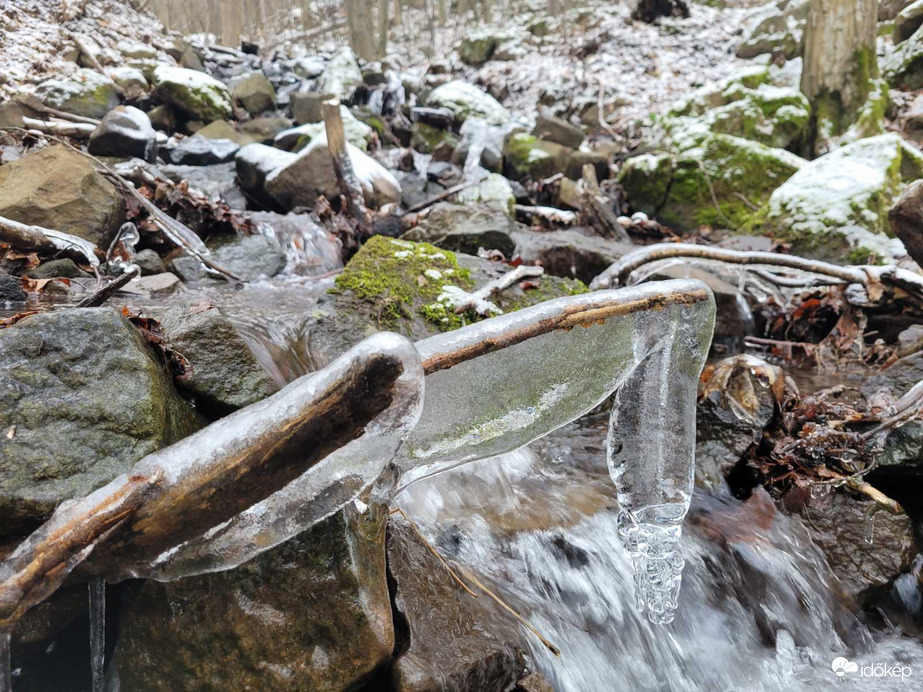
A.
pixel 398 13
pixel 650 10
pixel 383 27
pixel 361 28
pixel 839 64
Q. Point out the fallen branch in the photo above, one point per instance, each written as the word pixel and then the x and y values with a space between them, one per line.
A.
pixel 60 128
pixel 462 301
pixel 619 273
pixel 38 239
pixel 109 290
pixel 444 195
pixel 32 103
pixel 550 214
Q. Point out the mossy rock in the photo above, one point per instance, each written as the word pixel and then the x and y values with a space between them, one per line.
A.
pixel 198 95
pixel 87 93
pixel 396 285
pixel 836 207
pixel 527 156
pixel 721 182
pixel 426 138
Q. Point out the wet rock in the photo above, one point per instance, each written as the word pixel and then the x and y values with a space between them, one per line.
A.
pixel 248 256
pixel 59 268
pixel 254 163
pixel 312 173
pixel 306 107
pixel 527 156
pixel 733 320
pixel 554 129
pixel 910 340
pixel 466 100
pixel 255 93
pixel 836 207
pixel 466 227
pixel 906 219
pixel 199 151
pixel 311 249
pixel 568 253
pixel 907 21
pixel 866 545
pixel 10 289
pixel 449 646
pixel 341 76
pixel 215 183
pixel 265 129
pixel 735 406
pixel 311 614
pixel 297 138
pixel 149 262
pixel 85 397
pixel 195 93
pixel 678 190
pixel 130 79
pixel 124 132
pixel 86 93
pixel 222 129
pixel 777 28
pixel 533 682
pixel 59 189
pixel 225 374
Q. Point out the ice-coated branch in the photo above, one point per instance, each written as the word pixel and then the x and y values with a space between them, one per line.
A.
pixel 619 273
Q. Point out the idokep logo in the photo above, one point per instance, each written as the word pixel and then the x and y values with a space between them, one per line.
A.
pixel 842 666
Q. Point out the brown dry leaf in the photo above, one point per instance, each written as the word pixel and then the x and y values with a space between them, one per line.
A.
pixel 10 321
pixel 38 285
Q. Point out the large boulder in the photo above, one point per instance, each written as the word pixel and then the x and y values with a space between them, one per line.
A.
pixel 720 182
pixel 130 79
pixel 297 138
pixel 907 21
pixel 746 105
pixel 124 132
pixel 254 163
pixel 222 129
pixel 254 92
pixel 342 75
pixel 527 156
pixel 59 189
pixel 83 398
pixel 776 28
pixel 306 106
pixel 906 220
pixel 225 375
pixel 312 173
pixel 569 253
pixel 450 647
pixel 311 614
pixel 248 256
pixel 467 227
pixel 836 207
pixel 465 100
pixel 903 66
pixel 199 151
pixel 86 93
pixel 198 95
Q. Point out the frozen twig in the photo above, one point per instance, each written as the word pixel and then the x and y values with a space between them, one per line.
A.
pixel 551 214
pixel 38 239
pixel 61 128
pixel 462 301
pixel 103 294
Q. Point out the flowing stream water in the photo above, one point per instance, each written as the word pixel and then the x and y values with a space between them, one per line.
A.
pixel 757 610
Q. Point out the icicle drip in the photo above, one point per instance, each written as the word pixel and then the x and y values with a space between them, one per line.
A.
pixel 6 668
pixel 651 538
pixel 98 632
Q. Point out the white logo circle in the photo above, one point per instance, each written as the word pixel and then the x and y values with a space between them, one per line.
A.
pixel 841 666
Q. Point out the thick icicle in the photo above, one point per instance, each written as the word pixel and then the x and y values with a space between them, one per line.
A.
pixel 97 633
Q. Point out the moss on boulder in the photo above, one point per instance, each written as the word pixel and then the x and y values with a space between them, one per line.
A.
pixel 527 156
pixel 87 93
pixel 195 93
pixel 720 182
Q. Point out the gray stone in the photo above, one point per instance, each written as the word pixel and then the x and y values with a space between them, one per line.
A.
pixel 86 93
pixel 249 256
pixel 255 93
pixel 132 80
pixel 910 340
pixel 466 228
pixel 306 107
pixel 569 253
pixel 216 183
pixel 84 397
pixel 266 128
pixel 311 249
pixel 225 374
pixel 195 93
pixel 163 118
pixel 554 129
pixel 59 189
pixel 451 646
pixel 254 163
pixel 124 132
pixel 199 151
pixel 58 268
pixel 466 100
pixel 908 21
pixel 150 262
pixel 222 129
pixel 10 289
pixel 311 614
pixel 341 76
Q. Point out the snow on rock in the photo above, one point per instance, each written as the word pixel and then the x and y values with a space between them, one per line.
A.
pixel 465 99
pixel 341 76
pixel 87 93
pixel 200 96
pixel 836 207
pixel 296 138
pixel 312 173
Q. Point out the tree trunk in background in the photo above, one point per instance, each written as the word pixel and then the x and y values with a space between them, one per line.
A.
pixel 383 27
pixel 649 10
pixel 361 28
pixel 232 23
pixel 398 13
pixel 839 64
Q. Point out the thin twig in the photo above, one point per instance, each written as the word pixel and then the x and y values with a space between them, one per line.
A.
pixel 443 195
pixel 109 290
pixel 475 300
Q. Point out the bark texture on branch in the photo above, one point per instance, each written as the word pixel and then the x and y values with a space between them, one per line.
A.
pixel 343 165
